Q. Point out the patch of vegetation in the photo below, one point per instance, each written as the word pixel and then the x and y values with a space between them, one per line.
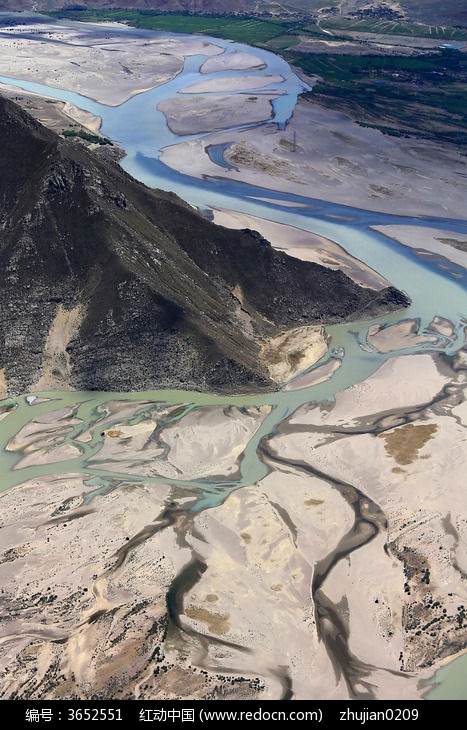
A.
pixel 404 443
pixel 435 67
pixel 281 42
pixel 217 623
pixel 87 136
pixel 296 357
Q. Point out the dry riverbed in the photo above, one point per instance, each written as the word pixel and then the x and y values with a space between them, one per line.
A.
pixel 123 591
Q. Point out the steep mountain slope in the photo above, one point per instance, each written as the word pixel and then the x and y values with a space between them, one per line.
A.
pixel 106 284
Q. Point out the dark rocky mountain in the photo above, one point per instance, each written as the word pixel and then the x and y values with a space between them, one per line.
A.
pixel 106 284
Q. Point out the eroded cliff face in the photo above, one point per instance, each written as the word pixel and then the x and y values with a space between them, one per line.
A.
pixel 108 285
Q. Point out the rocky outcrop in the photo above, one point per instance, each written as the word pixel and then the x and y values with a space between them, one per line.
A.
pixel 108 285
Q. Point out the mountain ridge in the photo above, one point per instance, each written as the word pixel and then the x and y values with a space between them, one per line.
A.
pixel 109 285
pixel 451 12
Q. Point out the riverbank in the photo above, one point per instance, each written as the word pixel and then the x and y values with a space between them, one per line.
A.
pixel 52 113
pixel 323 154
pixel 304 245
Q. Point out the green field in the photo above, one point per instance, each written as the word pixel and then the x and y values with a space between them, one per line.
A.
pixel 392 27
pixel 246 30
pixel 258 31
pixel 439 68
pixel 423 96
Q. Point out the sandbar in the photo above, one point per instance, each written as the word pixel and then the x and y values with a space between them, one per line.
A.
pixel 447 244
pixel 205 113
pixel 398 336
pixel 202 444
pixel 323 154
pixel 239 83
pixel 98 63
pixel 234 61
pixel 401 590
